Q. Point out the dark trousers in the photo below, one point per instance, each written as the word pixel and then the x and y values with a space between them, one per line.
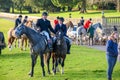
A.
pixel 90 38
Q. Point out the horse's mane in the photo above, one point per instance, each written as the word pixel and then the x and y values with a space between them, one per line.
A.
pixel 31 30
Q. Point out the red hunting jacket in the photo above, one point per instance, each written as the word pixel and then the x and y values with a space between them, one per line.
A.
pixel 87 24
pixel 55 22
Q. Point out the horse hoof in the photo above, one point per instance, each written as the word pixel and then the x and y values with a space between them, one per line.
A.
pixel 43 75
pixel 49 72
pixel 31 75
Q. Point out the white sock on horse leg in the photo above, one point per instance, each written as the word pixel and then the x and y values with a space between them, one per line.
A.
pixel 62 71
pixel 57 69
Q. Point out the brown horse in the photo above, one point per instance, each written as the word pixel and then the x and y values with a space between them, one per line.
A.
pixel 69 24
pixel 12 37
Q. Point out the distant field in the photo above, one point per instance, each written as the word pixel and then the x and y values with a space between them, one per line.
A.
pixel 82 64
pixel 76 14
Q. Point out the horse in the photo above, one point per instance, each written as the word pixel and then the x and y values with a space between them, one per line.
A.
pixel 69 24
pixel 82 32
pixel 60 47
pixel 12 37
pixel 70 28
pixel 38 46
pixel 24 39
pixel 2 42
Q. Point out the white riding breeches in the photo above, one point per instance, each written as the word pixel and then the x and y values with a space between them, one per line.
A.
pixel 69 39
pixel 46 34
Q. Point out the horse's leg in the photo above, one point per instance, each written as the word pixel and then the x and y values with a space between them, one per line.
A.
pixel 19 43
pixel 56 64
pixel 11 42
pixel 25 43
pixel 22 43
pixel 92 41
pixel 15 43
pixel 62 64
pixel 33 58
pixel 42 64
pixel 81 40
pixel 48 61
pixel 89 41
pixel 53 61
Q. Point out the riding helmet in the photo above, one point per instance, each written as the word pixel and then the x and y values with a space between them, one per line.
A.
pixel 20 15
pixel 44 14
pixel 26 16
pixel 61 19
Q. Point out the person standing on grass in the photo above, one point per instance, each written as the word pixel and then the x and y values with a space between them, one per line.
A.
pixel 111 54
pixel 87 24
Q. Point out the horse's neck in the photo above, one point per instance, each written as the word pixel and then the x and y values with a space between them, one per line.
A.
pixel 32 35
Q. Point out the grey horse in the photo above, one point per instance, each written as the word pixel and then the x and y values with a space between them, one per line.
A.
pixel 82 32
pixel 60 47
pixel 38 46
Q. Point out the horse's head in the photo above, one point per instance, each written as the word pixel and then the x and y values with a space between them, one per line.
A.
pixel 59 37
pixel 97 25
pixel 20 30
pixel 100 26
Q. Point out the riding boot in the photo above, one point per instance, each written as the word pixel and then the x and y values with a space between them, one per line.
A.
pixel 68 49
pixel 50 45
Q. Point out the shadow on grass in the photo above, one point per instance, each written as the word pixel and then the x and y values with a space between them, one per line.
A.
pixel 17 55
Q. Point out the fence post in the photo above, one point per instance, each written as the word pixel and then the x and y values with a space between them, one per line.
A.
pixel 104 21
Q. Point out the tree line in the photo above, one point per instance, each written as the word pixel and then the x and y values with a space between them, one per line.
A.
pixel 35 6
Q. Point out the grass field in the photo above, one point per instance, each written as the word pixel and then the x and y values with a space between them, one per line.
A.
pixel 76 14
pixel 82 64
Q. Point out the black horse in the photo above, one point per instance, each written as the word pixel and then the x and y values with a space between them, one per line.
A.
pixel 60 47
pixel 38 45
pixel 2 42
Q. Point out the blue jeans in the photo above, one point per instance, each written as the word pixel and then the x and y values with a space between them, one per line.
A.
pixel 111 63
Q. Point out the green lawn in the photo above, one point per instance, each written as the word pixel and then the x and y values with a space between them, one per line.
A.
pixel 82 64
pixel 89 14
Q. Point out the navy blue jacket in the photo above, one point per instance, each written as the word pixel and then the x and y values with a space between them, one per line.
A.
pixel 24 21
pixel 17 22
pixel 112 48
pixel 44 25
pixel 62 27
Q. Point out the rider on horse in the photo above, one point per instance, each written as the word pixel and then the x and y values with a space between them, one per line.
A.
pixel 44 25
pixel 25 19
pixel 18 21
pixel 56 20
pixel 61 26
pixel 87 24
pixel 82 21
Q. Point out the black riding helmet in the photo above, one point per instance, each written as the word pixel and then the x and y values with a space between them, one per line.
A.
pixel 20 16
pixel 44 14
pixel 26 16
pixel 61 19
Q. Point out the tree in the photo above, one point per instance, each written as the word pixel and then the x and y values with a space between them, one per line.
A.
pixel 65 3
pixel 118 5
pixel 18 4
pixel 83 6
pixel 5 5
